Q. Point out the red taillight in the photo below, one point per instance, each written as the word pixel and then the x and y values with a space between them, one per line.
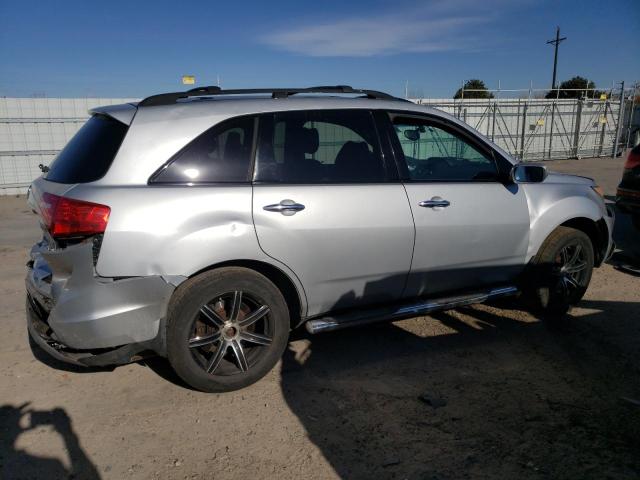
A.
pixel 66 217
pixel 633 160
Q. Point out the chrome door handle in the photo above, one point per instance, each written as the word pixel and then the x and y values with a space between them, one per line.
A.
pixel 435 202
pixel 286 207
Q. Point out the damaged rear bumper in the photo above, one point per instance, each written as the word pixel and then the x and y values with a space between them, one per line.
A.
pixel 43 336
pixel 81 318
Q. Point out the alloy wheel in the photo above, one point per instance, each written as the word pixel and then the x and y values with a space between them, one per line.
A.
pixel 571 270
pixel 230 333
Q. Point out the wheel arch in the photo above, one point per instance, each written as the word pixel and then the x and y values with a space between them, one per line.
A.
pixel 597 233
pixel 574 211
pixel 293 295
pixel 596 230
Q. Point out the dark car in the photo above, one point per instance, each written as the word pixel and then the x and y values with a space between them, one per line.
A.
pixel 628 194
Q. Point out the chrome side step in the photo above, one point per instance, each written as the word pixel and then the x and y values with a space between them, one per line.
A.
pixel 423 307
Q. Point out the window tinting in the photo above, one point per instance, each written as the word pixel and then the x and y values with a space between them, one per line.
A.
pixel 324 146
pixel 222 154
pixel 89 154
pixel 436 153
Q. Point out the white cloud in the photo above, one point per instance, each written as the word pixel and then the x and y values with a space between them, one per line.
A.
pixel 425 30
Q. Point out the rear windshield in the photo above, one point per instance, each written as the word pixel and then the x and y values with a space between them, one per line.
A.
pixel 89 154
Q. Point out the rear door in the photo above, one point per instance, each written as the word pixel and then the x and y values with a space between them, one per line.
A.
pixel 328 204
pixel 472 227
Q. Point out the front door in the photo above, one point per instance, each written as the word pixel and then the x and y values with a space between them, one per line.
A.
pixel 326 205
pixel 472 229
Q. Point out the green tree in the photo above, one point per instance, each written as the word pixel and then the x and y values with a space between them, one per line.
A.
pixel 576 87
pixel 479 90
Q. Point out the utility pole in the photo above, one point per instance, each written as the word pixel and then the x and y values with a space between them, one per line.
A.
pixel 555 42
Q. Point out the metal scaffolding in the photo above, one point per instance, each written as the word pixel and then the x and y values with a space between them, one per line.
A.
pixel 599 124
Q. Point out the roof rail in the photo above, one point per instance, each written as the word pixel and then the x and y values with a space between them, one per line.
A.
pixel 173 97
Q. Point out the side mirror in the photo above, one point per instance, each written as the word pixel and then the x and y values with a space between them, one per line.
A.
pixel 528 173
pixel 413 135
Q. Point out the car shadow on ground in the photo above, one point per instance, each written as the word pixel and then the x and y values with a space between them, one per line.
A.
pixel 496 397
pixel 17 463
pixel 161 367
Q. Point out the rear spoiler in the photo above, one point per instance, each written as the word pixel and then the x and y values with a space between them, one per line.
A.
pixel 123 112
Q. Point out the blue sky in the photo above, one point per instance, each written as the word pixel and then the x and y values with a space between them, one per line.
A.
pixel 129 48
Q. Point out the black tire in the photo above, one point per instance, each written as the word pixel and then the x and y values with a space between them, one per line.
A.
pixel 635 220
pixel 209 327
pixel 554 284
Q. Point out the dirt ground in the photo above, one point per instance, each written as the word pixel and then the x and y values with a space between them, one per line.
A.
pixel 479 392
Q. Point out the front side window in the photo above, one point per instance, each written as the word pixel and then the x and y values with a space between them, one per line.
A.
pixel 435 152
pixel 323 146
pixel 222 154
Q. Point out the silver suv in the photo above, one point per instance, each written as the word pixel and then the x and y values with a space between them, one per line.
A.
pixel 205 225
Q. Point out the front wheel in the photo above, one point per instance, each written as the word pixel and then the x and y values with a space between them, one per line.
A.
pixel 560 273
pixel 226 329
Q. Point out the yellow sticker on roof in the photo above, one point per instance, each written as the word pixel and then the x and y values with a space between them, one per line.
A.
pixel 188 79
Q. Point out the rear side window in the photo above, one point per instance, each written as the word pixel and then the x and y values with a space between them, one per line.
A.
pixel 222 154
pixel 321 147
pixel 89 154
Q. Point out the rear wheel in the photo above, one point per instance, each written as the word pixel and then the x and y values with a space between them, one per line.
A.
pixel 560 273
pixel 226 329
